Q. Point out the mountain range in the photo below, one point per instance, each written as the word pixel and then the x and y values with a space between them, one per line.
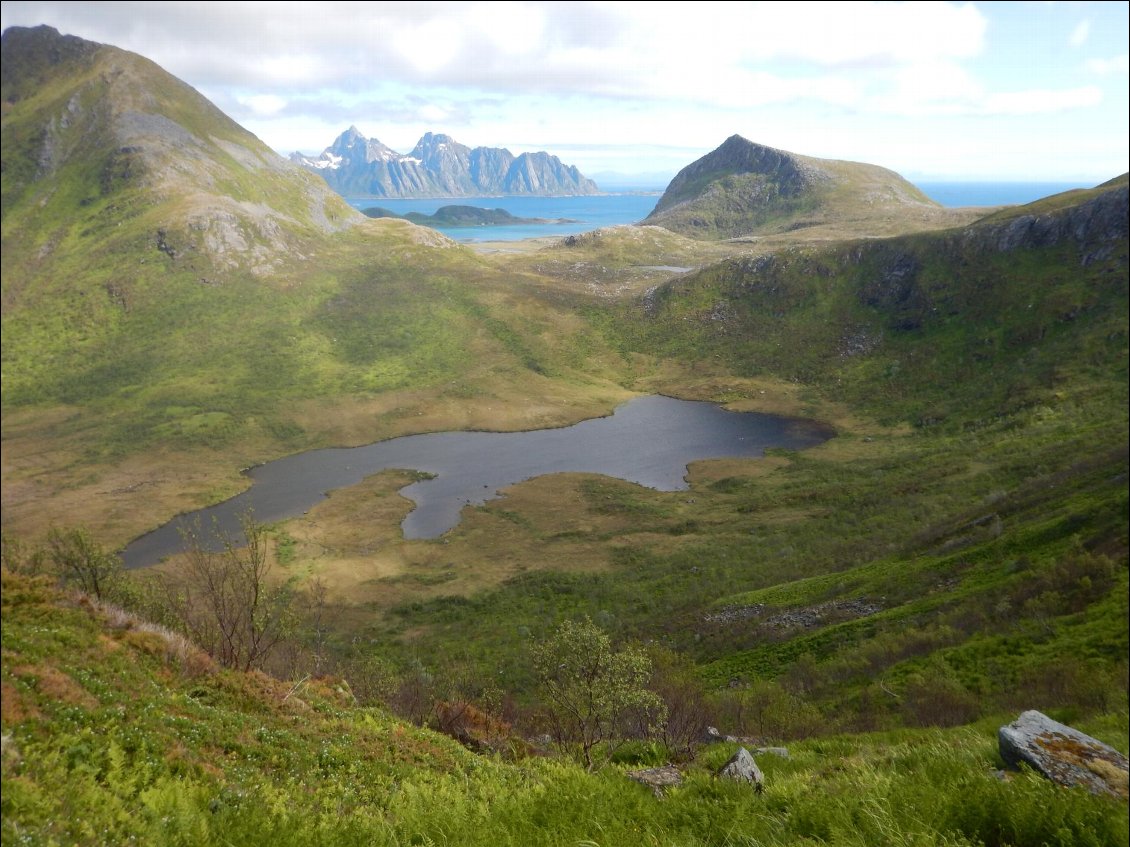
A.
pixel 439 166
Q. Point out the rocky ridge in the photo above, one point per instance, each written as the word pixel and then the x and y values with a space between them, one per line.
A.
pixel 88 124
pixel 439 166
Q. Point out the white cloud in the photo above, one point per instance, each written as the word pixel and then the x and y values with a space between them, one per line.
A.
pixel 1079 35
pixel 1036 102
pixel 264 104
pixel 622 76
pixel 1108 67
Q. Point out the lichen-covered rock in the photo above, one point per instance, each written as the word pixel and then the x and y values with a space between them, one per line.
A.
pixel 658 779
pixel 742 768
pixel 1064 755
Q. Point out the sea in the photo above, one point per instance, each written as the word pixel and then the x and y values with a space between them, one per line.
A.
pixel 614 207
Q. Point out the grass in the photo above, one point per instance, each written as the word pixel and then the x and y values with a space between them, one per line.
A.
pixel 115 733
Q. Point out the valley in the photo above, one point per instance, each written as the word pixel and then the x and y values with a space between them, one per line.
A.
pixel 181 304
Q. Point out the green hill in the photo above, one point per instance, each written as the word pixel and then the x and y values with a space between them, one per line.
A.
pixel 460 216
pixel 743 189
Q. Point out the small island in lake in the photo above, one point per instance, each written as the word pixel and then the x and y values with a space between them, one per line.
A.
pixel 457 216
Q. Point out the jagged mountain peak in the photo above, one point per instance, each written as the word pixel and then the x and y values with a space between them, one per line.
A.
pixel 31 52
pixel 440 166
pixel 350 137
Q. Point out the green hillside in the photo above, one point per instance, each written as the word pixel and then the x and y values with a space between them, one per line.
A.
pixel 179 303
pixel 175 294
pixel 963 540
pixel 116 731
pixel 748 189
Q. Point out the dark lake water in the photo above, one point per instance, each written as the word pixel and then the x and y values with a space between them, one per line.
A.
pixel 648 440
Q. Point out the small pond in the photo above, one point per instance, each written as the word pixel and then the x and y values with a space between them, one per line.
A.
pixel 648 440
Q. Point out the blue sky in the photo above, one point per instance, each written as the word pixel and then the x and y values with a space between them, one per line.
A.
pixel 1031 91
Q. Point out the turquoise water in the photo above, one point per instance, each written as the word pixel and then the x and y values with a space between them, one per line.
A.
pixel 591 212
pixel 600 210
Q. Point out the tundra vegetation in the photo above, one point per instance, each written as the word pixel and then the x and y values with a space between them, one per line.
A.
pixel 879 604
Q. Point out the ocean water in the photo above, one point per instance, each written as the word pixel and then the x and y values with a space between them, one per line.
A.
pixel 588 213
pixel 628 207
pixel 993 193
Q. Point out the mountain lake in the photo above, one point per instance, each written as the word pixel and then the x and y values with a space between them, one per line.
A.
pixel 648 440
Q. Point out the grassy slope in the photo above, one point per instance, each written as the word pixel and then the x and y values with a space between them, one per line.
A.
pixel 992 534
pixel 176 296
pixel 116 732
pixel 747 190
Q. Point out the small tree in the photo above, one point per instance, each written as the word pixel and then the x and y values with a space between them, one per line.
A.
pixel 688 713
pixel 590 690
pixel 79 560
pixel 227 601
pixel 18 557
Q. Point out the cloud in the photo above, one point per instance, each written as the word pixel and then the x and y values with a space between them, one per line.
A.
pixel 544 75
pixel 606 49
pixel 1036 102
pixel 1079 35
pixel 264 104
pixel 1107 67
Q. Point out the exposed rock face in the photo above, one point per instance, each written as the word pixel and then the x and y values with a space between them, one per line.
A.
pixel 439 166
pixel 1094 225
pixel 742 768
pixel 1064 755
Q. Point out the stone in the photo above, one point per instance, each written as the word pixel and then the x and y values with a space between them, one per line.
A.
pixel 1063 755
pixel 711 735
pixel 742 768
pixel 658 779
pixel 782 752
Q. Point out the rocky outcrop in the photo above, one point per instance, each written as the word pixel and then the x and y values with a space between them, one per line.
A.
pixel 1094 224
pixel 831 611
pixel 1063 755
pixel 439 166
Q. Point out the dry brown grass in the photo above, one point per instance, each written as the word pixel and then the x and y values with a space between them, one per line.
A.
pixel 56 685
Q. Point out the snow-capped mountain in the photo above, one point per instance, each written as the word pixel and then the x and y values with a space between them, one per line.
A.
pixel 439 166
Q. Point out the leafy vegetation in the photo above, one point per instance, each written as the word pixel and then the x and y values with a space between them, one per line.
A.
pixel 116 731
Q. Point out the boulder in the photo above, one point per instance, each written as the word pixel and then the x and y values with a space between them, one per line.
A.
pixel 742 768
pixel 658 779
pixel 1063 755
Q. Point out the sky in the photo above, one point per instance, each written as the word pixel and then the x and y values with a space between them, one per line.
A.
pixel 1014 91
